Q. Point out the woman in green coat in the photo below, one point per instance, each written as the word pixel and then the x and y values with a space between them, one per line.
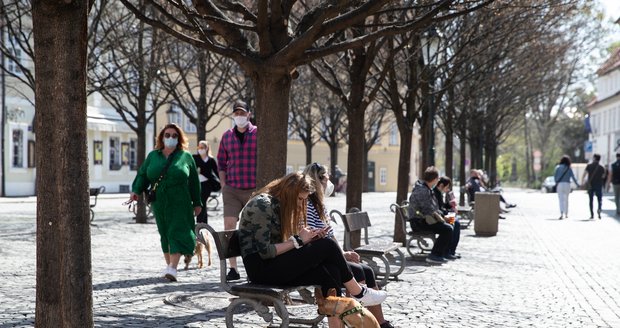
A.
pixel 177 195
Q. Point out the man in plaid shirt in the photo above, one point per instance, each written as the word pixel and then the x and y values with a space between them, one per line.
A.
pixel 236 160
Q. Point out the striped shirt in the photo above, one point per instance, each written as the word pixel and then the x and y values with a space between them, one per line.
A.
pixel 314 220
pixel 237 159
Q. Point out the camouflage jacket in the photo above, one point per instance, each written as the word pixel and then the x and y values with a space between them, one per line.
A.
pixel 259 226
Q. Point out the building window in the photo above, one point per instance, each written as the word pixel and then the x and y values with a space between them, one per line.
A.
pixel 31 154
pixel 115 154
pixel 18 148
pixel 15 59
pixel 383 176
pixel 393 134
pixel 133 157
pixel 189 127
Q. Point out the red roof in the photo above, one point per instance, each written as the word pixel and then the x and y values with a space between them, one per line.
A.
pixel 611 64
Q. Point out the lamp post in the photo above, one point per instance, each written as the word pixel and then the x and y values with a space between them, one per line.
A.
pixel 430 51
pixel 173 115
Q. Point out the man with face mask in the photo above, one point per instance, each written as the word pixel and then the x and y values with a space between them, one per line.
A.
pixel 426 216
pixel 236 160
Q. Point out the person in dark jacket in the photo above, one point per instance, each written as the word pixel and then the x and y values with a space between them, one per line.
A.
pixel 209 180
pixel 426 215
pixel 613 178
pixel 441 192
pixel 596 178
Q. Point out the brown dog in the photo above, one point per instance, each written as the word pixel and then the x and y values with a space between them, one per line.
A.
pixel 198 251
pixel 350 311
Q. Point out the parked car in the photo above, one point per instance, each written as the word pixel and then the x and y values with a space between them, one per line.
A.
pixel 548 184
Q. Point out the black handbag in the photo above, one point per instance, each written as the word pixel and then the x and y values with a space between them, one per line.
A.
pixel 151 192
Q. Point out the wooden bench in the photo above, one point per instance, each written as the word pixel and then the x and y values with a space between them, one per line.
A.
pixel 391 259
pixel 94 194
pixel 425 240
pixel 259 297
pixel 466 215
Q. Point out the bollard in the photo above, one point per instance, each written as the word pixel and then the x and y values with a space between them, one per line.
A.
pixel 486 214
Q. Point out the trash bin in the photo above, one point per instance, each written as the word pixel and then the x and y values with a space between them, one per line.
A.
pixel 486 213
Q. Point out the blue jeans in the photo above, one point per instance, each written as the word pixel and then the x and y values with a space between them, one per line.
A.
pixel 598 191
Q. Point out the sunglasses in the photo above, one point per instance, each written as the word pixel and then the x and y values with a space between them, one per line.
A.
pixel 168 135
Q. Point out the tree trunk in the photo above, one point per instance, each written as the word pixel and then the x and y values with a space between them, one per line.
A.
pixel 64 283
pixel 309 146
pixel 141 216
pixel 462 174
pixel 333 159
pixel 355 169
pixel 402 186
pixel 272 98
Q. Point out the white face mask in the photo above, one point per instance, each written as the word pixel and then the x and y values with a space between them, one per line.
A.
pixel 170 142
pixel 241 121
pixel 202 152
pixel 329 189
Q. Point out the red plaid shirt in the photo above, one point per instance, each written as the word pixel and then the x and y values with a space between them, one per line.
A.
pixel 237 159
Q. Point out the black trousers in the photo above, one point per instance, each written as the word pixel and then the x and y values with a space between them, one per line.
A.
pixel 445 231
pixel 317 263
pixel 363 272
pixel 205 192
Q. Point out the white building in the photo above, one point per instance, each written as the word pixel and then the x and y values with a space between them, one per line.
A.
pixel 605 111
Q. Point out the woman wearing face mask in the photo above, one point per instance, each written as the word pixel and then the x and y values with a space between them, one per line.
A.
pixel 209 181
pixel 177 194
pixel 316 218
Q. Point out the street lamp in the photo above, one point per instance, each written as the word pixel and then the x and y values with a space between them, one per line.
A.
pixel 173 115
pixel 430 51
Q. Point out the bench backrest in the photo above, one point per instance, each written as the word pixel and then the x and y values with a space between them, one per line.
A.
pixel 226 244
pixel 353 221
pixel 402 214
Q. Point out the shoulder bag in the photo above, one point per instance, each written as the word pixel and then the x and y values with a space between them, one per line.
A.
pixel 151 193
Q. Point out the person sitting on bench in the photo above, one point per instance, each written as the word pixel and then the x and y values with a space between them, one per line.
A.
pixel 445 206
pixel 427 216
pixel 317 218
pixel 277 248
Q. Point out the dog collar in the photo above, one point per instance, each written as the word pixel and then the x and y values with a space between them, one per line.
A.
pixel 357 309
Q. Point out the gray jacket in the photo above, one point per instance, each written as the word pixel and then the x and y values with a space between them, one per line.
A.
pixel 423 205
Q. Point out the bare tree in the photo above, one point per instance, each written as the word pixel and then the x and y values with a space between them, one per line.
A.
pixel 64 277
pixel 305 115
pixel 130 59
pixel 202 84
pixel 269 39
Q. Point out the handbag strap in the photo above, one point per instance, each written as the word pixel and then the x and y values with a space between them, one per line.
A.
pixel 561 176
pixel 163 171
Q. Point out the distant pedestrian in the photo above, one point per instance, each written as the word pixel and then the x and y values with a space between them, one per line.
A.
pixel 594 183
pixel 236 159
pixel 614 179
pixel 563 174
pixel 171 172
pixel 209 180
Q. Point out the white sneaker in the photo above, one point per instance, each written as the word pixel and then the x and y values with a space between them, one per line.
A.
pixel 171 274
pixel 372 297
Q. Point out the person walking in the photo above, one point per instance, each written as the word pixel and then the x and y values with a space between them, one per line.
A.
pixel 209 180
pixel 426 215
pixel 614 179
pixel 236 160
pixel 277 247
pixel 171 172
pixel 562 175
pixel 595 181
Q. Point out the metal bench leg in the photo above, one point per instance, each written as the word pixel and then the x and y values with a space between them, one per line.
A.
pixel 262 310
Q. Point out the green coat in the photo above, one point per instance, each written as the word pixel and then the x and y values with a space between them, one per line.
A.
pixel 177 195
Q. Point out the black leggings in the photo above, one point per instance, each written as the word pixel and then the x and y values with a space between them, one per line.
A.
pixel 205 192
pixel 318 263
pixel 363 272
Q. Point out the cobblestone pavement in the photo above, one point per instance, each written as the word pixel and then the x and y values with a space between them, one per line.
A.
pixel 537 272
